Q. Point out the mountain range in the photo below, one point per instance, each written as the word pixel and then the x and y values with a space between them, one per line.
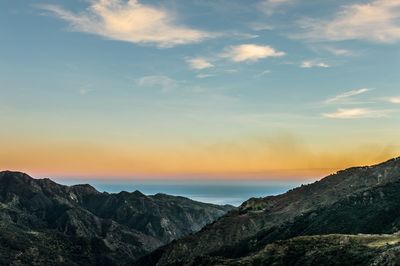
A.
pixel 315 224
pixel 44 223
pixel 351 217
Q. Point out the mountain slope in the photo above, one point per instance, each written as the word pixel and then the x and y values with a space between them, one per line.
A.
pixel 45 222
pixel 320 250
pixel 356 200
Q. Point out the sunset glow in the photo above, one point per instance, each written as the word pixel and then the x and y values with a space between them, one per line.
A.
pixel 275 90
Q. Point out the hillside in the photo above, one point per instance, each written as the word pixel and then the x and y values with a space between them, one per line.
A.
pixel 44 223
pixel 356 200
pixel 337 249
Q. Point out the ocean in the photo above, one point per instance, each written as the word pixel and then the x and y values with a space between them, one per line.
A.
pixel 217 192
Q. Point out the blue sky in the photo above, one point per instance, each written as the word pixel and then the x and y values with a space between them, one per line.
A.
pixel 277 85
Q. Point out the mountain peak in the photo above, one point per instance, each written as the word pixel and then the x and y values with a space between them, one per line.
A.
pixel 14 175
pixel 84 188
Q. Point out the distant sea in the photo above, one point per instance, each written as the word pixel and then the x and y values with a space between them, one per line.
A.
pixel 217 192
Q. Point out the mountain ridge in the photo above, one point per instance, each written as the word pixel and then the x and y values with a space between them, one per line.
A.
pixel 354 213
pixel 227 235
pixel 113 229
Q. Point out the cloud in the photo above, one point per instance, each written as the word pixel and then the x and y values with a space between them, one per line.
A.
pixel 199 63
pixel 241 35
pixel 84 91
pixel 339 51
pixel 357 113
pixel 376 21
pixel 313 63
pixel 250 52
pixel 395 100
pixel 202 76
pixel 263 73
pixel 130 21
pixel 346 95
pixel 269 7
pixel 260 26
pixel 157 81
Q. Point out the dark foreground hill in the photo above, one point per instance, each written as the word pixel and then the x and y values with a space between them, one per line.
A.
pixel 44 223
pixel 265 231
pixel 337 249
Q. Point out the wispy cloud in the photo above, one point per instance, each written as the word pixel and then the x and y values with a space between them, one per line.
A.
pixel 250 52
pixel 85 89
pixel 357 113
pixel 395 100
pixel 269 7
pixel 338 51
pixel 241 35
pixel 161 82
pixel 263 73
pixel 256 26
pixel 199 63
pixel 313 63
pixel 346 95
pixel 129 21
pixel 376 21
pixel 202 76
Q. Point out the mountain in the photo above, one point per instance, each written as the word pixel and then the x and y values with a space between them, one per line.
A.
pixel 351 217
pixel 356 200
pixel 44 223
pixel 332 249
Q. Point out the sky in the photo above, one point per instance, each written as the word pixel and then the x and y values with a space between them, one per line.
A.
pixel 198 89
